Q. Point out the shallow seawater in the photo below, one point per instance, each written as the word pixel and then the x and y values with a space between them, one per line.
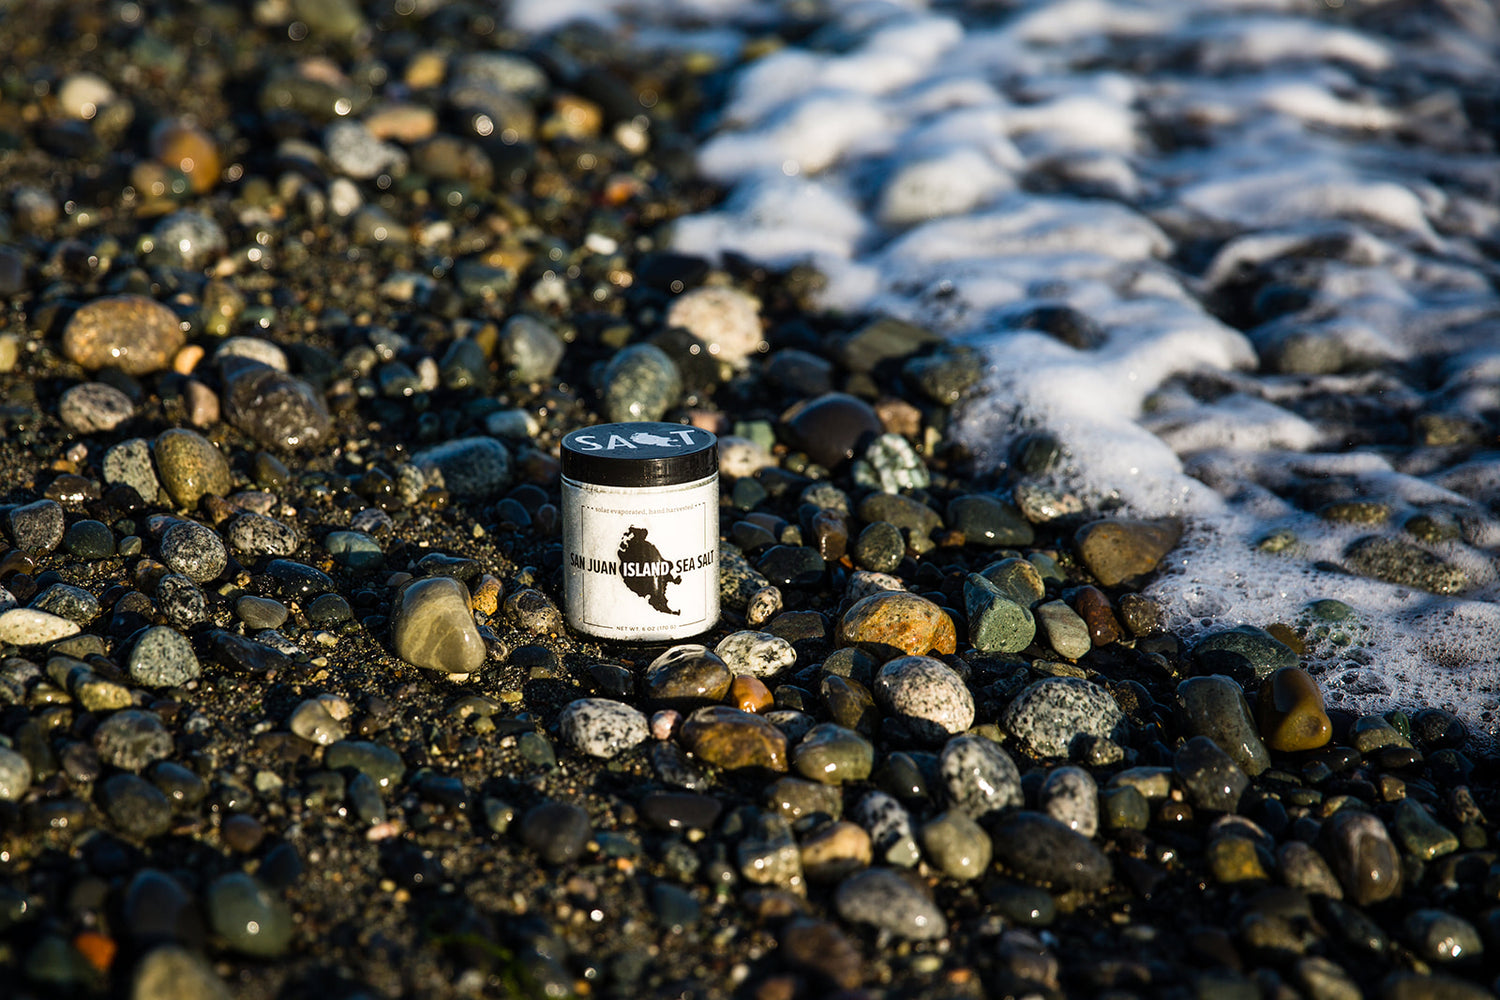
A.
pixel 1281 218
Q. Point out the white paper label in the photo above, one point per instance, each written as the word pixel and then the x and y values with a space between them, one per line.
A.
pixel 641 563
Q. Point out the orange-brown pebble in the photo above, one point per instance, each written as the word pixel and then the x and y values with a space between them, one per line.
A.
pixel 96 949
pixel 1093 607
pixel 1288 637
pixel 898 623
pixel 487 594
pixel 1291 713
pixel 750 694
pixel 16 561
pixel 729 738
pixel 188 148
pixel 130 332
pixel 836 850
pixel 187 359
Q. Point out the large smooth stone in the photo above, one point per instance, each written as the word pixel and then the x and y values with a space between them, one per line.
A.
pixel 1038 848
pixel 432 627
pixel 897 623
pixel 135 334
pixel 1123 549
pixel 1363 856
pixel 1049 715
pixel 729 738
pixel 1292 716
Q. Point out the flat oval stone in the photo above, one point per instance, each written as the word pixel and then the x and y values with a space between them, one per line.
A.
pixel 382 765
pixel 1064 628
pixel 884 899
pixel 729 738
pixel 1291 712
pixel 1050 714
pixel 928 694
pixel 135 334
pixel 833 755
pixel 1440 936
pixel 686 676
pixel 1039 849
pixel 432 627
pixel 1363 856
pixel 759 654
pixel 135 807
pixel 893 624
pixel 313 721
pixel 981 779
pixel 1215 706
pixel 29 627
pixel 989 521
pixel 91 407
pixel 189 466
pixel 601 727
pixel 1122 549
pixel 1241 653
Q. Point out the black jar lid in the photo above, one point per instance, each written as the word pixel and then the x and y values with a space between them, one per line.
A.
pixel 639 454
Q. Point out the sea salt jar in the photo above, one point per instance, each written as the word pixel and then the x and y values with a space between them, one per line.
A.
pixel 640 507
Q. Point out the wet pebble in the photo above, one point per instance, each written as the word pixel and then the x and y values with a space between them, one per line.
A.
pixel 190 466
pixel 260 612
pixel 29 627
pixel 997 623
pixel 601 727
pixel 135 807
pixel 135 334
pixel 432 627
pixel 129 464
pixel 729 738
pixel 835 850
pixel 680 810
pixel 1361 853
pixel 989 521
pixel 768 853
pixel 195 551
pixel 831 754
pixel 1398 561
pixel 188 238
pixel 68 601
pixel 15 775
pixel 132 739
pixel 890 828
pixel 1211 778
pixel 1070 796
pixel 981 779
pixel 91 407
pixel 686 675
pixel 1120 549
pixel 1291 713
pixel 888 625
pixel 832 429
pixel 1048 716
pixel 467 467
pixel 1439 936
pixel 956 845
pixel 927 693
pixel 89 539
pixel 251 918
pixel 162 657
pixel 276 409
pixel 1038 848
pixel 640 382
pixel 37 526
pixel 1064 628
pixel 759 654
pixel 382 765
pixel 1214 706
pixel 314 720
pixel 885 900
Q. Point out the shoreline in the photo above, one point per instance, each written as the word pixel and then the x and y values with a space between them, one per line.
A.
pixel 290 708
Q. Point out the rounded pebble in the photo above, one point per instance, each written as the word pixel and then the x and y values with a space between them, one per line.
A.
pixel 601 727
pixel 432 627
pixel 135 334
pixel 927 693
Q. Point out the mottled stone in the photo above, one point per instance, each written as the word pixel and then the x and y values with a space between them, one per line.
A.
pixel 890 829
pixel 1121 549
pixel 29 627
pixel 882 898
pixel 132 739
pixel 1396 560
pixel 997 623
pixel 432 627
pixel 759 654
pixel 257 534
pixel 728 738
pixel 601 727
pixel 640 382
pixel 1064 628
pixel 195 551
pixel 892 624
pixel 276 409
pixel 929 695
pixel 1050 714
pixel 981 779
pixel 1070 796
pixel 135 334
pixel 91 407
pixel 1212 779
pixel 477 467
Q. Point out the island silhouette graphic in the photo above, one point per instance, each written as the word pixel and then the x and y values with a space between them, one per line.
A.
pixel 635 547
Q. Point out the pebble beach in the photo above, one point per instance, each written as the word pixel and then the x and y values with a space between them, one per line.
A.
pixel 297 302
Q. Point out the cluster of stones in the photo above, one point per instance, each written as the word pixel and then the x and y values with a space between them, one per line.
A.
pixel 929 700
